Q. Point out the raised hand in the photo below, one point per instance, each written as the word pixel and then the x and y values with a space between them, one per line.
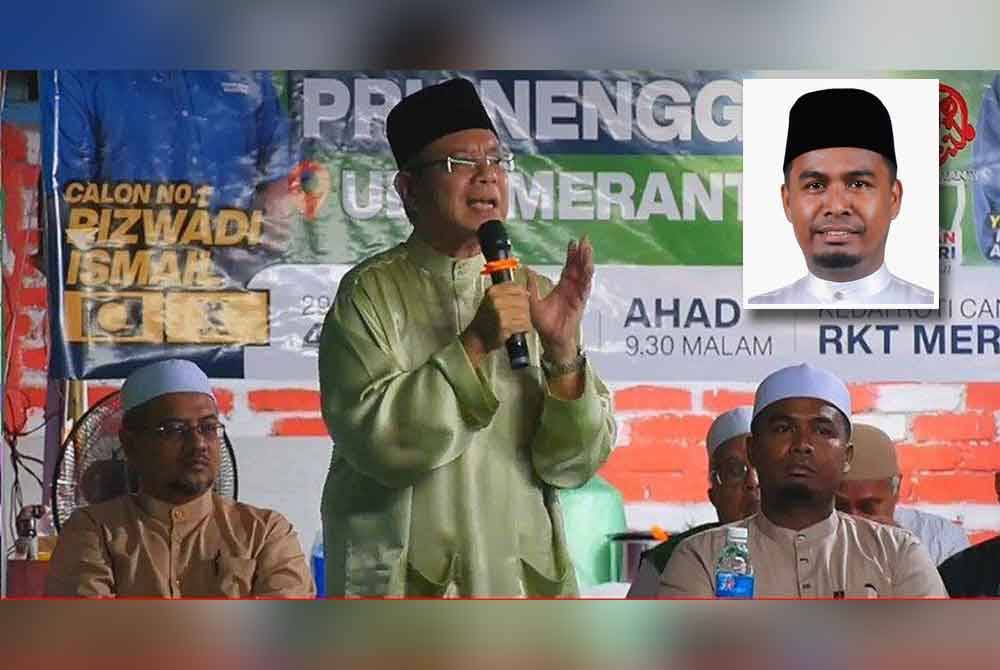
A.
pixel 557 316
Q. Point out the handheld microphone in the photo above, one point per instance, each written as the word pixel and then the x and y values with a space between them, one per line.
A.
pixel 496 247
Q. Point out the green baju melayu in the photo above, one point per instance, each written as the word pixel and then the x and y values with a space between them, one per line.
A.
pixel 443 478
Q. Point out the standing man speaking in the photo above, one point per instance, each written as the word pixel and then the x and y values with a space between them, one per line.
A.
pixel 444 474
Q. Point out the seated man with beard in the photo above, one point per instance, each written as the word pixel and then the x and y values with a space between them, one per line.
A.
pixel 799 545
pixel 840 194
pixel 175 538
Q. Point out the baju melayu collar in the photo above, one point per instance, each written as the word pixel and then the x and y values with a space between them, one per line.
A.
pixel 429 259
pixel 879 288
pixel 859 290
pixel 183 515
pixel 817 532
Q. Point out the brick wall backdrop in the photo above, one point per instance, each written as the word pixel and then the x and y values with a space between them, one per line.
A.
pixel 948 433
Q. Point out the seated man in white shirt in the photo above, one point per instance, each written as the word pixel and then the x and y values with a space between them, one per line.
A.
pixel 871 489
pixel 840 194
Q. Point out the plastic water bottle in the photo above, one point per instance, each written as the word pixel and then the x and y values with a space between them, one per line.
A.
pixel 319 565
pixel 733 572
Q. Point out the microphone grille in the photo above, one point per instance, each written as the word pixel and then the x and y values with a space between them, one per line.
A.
pixel 492 235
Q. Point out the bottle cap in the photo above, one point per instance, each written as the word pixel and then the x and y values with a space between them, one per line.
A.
pixel 737 534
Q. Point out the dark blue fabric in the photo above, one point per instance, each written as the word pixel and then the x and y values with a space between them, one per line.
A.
pixel 222 128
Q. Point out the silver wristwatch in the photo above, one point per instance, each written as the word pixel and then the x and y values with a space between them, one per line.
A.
pixel 559 369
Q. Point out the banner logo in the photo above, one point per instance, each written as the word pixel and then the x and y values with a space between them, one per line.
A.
pixel 956 128
pixel 109 317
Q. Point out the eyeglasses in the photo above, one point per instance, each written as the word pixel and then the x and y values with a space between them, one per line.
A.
pixel 176 432
pixel 731 473
pixel 464 165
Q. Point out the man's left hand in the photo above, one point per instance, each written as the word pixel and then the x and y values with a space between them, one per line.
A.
pixel 557 316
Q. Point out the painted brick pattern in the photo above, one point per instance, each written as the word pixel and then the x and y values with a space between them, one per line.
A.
pixel 283 400
pixel 299 427
pixel 722 400
pixel 983 396
pixel 652 398
pixel 954 426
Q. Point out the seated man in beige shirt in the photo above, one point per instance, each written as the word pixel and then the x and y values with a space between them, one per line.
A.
pixel 799 546
pixel 175 538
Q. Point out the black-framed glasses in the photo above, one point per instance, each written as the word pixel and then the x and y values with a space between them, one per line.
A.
pixel 731 473
pixel 468 165
pixel 176 432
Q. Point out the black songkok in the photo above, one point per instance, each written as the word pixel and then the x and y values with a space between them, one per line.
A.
pixel 434 112
pixel 838 117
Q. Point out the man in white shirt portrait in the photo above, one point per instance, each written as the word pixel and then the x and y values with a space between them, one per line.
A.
pixel 840 193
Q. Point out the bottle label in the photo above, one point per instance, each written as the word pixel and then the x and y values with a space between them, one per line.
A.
pixel 732 585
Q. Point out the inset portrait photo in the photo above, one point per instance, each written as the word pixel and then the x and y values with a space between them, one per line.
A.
pixel 840 193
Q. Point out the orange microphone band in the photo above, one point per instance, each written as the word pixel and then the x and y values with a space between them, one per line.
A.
pixel 500 265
